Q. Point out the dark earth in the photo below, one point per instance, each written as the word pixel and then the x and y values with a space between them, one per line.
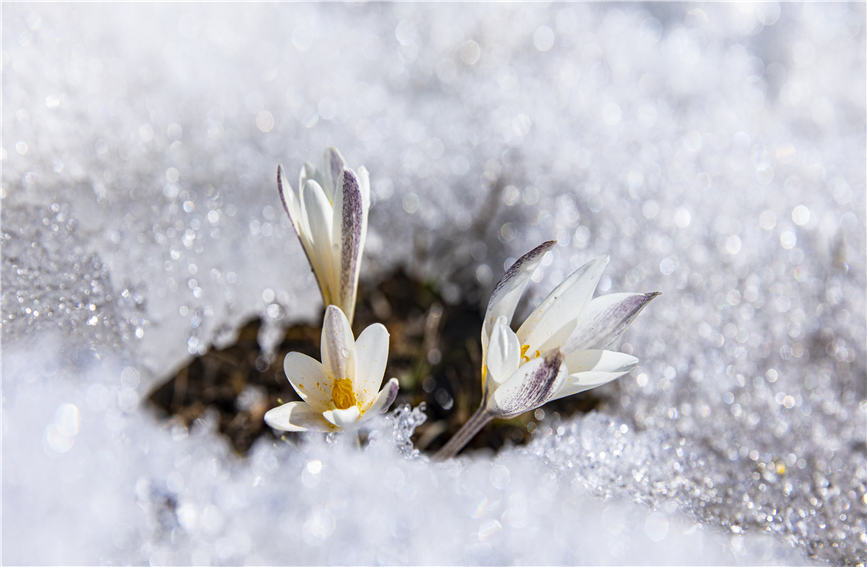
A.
pixel 434 351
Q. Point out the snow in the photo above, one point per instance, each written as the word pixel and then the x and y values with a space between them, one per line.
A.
pixel 715 152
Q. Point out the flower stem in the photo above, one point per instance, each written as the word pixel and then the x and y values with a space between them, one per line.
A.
pixel 473 425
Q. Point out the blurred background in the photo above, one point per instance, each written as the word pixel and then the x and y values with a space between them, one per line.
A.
pixel 715 152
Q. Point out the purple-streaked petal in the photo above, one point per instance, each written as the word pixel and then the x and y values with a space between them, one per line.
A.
pixel 371 355
pixel 348 232
pixel 309 379
pixel 385 397
pixel 606 318
pixel 338 345
pixel 531 386
pixel 343 418
pixel 297 416
pixel 504 353
pixel 600 361
pixel 508 291
pixel 562 306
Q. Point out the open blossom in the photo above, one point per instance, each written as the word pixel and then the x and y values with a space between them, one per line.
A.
pixel 343 389
pixel 329 214
pixel 559 350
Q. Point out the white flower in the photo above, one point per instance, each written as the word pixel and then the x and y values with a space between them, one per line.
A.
pixel 329 215
pixel 559 350
pixel 343 389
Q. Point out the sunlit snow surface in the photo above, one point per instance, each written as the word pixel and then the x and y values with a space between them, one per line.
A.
pixel 716 153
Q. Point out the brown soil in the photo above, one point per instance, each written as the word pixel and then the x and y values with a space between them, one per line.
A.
pixel 434 352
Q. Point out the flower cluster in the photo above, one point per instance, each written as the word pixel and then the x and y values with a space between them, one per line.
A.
pixel 560 349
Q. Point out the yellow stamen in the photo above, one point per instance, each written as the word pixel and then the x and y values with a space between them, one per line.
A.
pixel 524 357
pixel 342 394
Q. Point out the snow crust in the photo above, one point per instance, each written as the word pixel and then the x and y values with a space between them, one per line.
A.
pixel 715 152
pixel 93 474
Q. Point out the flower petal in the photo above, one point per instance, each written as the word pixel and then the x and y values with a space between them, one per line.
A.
pixel 297 215
pixel 318 211
pixel 531 386
pixel 343 418
pixel 371 355
pixel 309 379
pixel 307 172
pixel 556 339
pixel 562 305
pixel 364 185
pixel 385 397
pixel 606 318
pixel 333 168
pixel 504 353
pixel 510 288
pixel 600 361
pixel 348 231
pixel 296 416
pixel 337 344
pixel 290 202
pixel 581 381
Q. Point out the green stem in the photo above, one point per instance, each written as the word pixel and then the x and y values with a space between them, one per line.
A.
pixel 473 425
